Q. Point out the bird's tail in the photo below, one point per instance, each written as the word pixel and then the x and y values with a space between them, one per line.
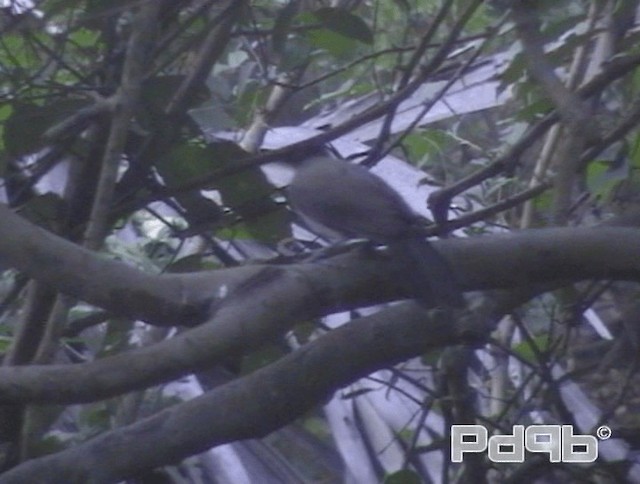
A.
pixel 427 272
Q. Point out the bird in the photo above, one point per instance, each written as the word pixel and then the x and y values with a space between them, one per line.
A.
pixel 343 200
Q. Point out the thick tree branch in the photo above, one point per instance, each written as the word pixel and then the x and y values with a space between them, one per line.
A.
pixel 254 405
pixel 254 314
pixel 91 277
pixel 184 299
pixel 125 99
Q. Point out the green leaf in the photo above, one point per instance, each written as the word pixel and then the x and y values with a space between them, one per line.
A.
pixel 282 26
pixel 427 145
pixel 95 416
pixel 299 51
pixel 603 176
pixel 536 105
pixel 345 23
pixel 16 56
pixel 259 359
pixel 116 337
pixel 5 112
pixel 190 263
pixel 634 152
pixel 432 357
pixel 156 93
pixel 46 210
pixel 403 4
pixel 405 476
pixel 27 123
pixel 332 42
pixel 85 37
pixel 186 163
pixel 47 445
pixel 96 11
pixel 526 351
pixel 212 118
pixel 251 96
pixel 247 193
pixel 543 203
pixel 5 344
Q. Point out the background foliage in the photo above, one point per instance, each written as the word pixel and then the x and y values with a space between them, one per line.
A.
pixel 134 129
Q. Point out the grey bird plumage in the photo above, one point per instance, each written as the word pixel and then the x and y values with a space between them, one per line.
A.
pixel 347 201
